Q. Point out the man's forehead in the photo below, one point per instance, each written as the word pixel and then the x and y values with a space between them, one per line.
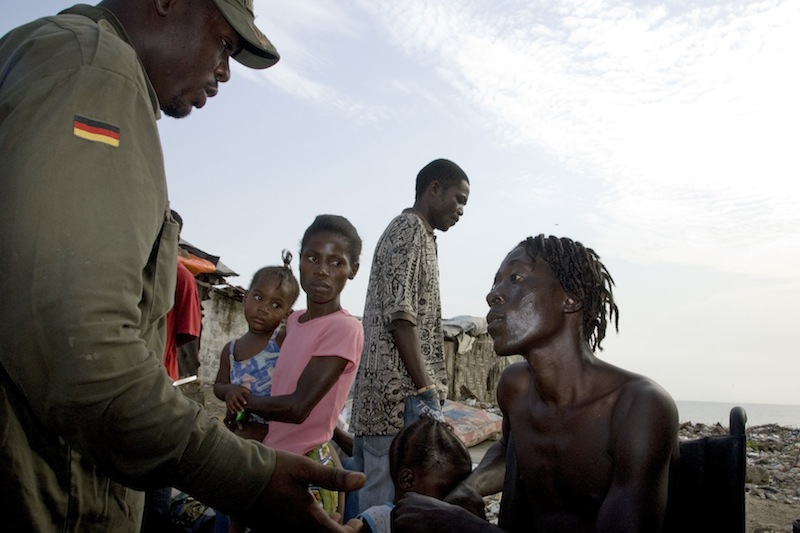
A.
pixel 460 187
pixel 463 185
pixel 522 256
pixel 516 257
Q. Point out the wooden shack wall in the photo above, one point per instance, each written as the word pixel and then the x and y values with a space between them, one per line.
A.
pixel 477 370
pixel 223 320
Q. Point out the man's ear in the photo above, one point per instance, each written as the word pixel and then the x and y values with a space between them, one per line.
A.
pixel 435 188
pixel 353 270
pixel 572 304
pixel 405 478
pixel 163 6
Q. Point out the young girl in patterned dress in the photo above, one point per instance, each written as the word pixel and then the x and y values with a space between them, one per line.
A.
pixel 246 364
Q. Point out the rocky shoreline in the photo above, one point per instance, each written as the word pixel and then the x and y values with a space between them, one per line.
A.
pixel 773 460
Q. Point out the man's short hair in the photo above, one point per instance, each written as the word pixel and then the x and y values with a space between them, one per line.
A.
pixel 444 171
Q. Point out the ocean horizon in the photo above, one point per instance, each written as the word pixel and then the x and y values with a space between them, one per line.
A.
pixel 758 414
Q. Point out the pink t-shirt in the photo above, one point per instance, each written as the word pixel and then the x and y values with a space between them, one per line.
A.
pixel 338 334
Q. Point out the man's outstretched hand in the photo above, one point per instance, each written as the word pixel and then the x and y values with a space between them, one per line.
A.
pixel 287 505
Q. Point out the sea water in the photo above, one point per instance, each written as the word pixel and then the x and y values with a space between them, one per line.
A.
pixel 758 414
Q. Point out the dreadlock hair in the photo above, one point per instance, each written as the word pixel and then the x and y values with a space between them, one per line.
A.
pixel 338 225
pixel 282 274
pixel 444 171
pixel 583 276
pixel 427 444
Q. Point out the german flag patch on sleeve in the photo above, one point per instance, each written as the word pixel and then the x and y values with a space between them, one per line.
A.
pixel 94 130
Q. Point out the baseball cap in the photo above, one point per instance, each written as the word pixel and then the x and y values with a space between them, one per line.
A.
pixel 257 51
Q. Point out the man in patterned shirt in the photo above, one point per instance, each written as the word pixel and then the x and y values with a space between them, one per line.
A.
pixel 402 368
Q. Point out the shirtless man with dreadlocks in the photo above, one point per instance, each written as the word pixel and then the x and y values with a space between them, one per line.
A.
pixel 586 446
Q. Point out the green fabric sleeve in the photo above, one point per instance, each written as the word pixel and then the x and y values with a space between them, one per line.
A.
pixel 88 262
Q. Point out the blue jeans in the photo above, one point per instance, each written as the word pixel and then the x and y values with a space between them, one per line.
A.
pixel 428 402
pixel 371 456
pixel 371 453
pixel 351 498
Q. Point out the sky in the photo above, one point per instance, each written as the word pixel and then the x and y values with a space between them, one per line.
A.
pixel 661 134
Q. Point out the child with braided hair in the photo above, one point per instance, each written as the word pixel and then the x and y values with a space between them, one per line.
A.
pixel 246 364
pixel 586 446
pixel 426 457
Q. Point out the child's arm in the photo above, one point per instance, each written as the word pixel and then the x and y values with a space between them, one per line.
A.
pixel 320 374
pixel 234 396
pixel 223 373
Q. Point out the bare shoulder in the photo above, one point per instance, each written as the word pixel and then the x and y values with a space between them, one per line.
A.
pixel 515 379
pixel 645 408
pixel 642 392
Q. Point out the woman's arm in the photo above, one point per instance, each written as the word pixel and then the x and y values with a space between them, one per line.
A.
pixel 318 377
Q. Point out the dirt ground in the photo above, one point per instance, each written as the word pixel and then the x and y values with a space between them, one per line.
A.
pixel 766 516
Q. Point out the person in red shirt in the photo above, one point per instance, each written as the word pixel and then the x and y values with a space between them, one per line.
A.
pixel 183 320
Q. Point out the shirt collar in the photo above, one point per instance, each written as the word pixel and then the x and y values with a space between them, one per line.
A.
pixel 425 223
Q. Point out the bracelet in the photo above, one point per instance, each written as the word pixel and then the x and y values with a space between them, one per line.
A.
pixel 425 389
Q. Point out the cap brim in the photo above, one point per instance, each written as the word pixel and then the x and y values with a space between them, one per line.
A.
pixel 257 52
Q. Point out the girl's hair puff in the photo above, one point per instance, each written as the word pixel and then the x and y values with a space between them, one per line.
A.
pixel 281 274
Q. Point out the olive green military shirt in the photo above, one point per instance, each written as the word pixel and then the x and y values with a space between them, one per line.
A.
pixel 87 274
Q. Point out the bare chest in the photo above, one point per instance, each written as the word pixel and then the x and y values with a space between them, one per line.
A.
pixel 563 457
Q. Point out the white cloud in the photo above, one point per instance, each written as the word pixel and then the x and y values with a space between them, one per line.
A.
pixel 687 118
pixel 299 30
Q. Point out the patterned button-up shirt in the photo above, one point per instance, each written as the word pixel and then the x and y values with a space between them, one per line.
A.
pixel 403 285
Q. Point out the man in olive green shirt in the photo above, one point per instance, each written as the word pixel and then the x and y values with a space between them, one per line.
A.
pixel 88 416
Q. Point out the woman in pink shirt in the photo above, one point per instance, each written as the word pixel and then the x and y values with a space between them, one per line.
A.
pixel 321 351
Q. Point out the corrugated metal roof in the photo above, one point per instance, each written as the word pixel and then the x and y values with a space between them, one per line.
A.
pixel 222 270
